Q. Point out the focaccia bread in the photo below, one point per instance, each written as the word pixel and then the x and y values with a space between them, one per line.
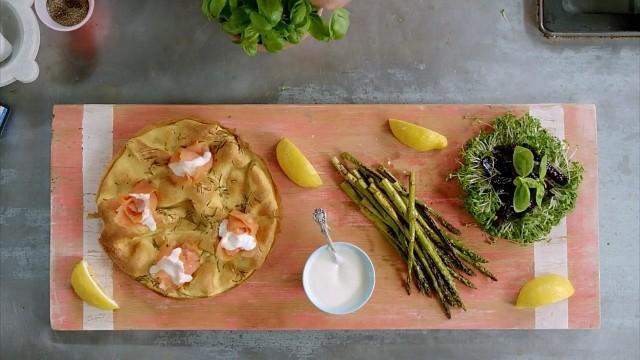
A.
pixel 185 212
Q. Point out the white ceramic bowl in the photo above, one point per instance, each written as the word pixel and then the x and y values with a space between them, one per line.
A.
pixel 43 14
pixel 349 308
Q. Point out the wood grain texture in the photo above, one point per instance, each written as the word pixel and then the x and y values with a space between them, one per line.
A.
pixel 66 215
pixel 274 299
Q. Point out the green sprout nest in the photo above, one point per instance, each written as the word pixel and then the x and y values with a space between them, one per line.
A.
pixel 482 202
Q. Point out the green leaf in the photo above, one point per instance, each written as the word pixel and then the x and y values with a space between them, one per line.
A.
pixel 271 9
pixel 522 160
pixel 518 181
pixel 528 182
pixel 339 24
pixel 237 22
pixel 250 34
pixel 233 4
pixel 539 194
pixel 250 47
pixel 260 23
pixel 282 29
pixel 318 29
pixel 273 41
pixel 304 27
pixel 521 198
pixel 543 167
pixel 299 12
pixel 215 7
pixel 293 35
pixel 205 7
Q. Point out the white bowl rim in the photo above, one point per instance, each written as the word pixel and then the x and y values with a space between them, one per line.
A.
pixel 43 14
pixel 345 309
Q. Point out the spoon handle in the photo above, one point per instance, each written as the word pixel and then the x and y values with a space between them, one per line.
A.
pixel 320 217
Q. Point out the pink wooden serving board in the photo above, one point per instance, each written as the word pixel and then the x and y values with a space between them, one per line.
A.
pixel 273 298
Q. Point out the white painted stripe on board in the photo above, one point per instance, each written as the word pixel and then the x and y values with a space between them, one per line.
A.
pixel 551 256
pixel 97 150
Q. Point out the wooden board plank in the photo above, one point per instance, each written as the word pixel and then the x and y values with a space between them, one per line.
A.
pixel 273 298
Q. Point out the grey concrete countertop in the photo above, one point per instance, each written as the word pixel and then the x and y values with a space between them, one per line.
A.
pixel 409 51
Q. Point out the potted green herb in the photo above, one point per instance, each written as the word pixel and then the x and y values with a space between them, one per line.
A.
pixel 275 24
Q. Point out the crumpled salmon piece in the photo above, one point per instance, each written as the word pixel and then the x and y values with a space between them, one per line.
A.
pixel 241 223
pixel 128 214
pixel 190 259
pixel 189 153
pixel 238 223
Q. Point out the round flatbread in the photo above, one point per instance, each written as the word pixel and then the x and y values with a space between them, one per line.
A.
pixel 188 213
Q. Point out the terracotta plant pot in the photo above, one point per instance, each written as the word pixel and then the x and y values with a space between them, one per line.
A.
pixel 329 4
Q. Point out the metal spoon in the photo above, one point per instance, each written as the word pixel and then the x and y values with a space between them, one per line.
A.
pixel 320 217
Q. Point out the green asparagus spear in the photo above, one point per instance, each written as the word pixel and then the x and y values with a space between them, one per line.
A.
pixel 411 214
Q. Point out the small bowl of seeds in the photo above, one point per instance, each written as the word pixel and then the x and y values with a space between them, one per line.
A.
pixel 64 15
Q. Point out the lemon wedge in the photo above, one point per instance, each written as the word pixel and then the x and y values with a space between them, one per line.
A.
pixel 417 137
pixel 544 290
pixel 88 289
pixel 296 166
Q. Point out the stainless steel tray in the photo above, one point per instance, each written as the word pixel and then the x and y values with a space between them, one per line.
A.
pixel 601 18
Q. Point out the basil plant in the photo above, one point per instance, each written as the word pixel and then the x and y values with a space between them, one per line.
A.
pixel 274 23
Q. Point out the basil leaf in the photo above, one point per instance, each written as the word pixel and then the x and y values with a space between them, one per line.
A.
pixel 339 24
pixel 522 160
pixel 205 8
pixel 231 28
pixel 250 34
pixel 215 7
pixel 304 27
pixel 260 23
pixel 273 41
pixel 529 182
pixel 521 198
pixel 299 12
pixel 271 9
pixel 543 167
pixel 539 194
pixel 293 37
pixel 517 181
pixel 250 47
pixel 237 22
pixel 318 29
pixel 233 4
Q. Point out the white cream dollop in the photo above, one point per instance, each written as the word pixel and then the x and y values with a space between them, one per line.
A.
pixel 230 241
pixel 173 266
pixel 189 167
pixel 142 203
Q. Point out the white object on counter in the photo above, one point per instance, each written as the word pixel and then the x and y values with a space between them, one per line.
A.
pixel 21 65
pixel 339 287
pixel 5 48
pixel 43 14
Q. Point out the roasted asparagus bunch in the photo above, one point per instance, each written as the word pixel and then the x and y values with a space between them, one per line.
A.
pixel 422 237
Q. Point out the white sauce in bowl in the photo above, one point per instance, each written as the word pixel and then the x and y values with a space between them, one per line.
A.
pixel 341 287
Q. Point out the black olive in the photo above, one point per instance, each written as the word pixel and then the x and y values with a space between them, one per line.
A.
pixel 555 175
pixel 505 197
pixel 505 213
pixel 501 180
pixel 503 160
